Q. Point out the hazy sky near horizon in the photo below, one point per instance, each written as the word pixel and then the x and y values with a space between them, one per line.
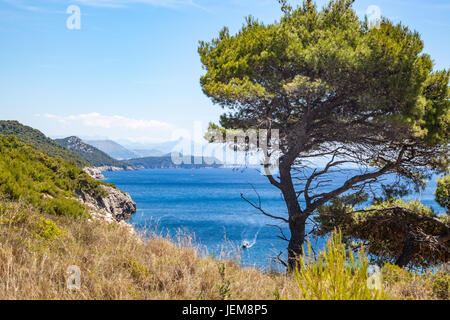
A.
pixel 132 71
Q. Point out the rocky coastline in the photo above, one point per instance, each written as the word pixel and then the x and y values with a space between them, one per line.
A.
pixel 115 205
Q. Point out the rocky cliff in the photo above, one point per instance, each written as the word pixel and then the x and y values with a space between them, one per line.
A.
pixel 113 168
pixel 95 173
pixel 111 205
pixel 115 205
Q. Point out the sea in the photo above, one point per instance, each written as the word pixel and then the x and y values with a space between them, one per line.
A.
pixel 206 206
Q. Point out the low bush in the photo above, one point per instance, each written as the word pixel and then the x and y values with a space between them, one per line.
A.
pixel 336 274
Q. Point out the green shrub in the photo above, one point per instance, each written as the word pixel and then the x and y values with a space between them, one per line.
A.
pixel 443 192
pixel 47 229
pixel 139 271
pixel 335 274
pixel 224 286
pixel 381 226
pixel 441 285
pixel 394 274
pixel 49 184
pixel 85 183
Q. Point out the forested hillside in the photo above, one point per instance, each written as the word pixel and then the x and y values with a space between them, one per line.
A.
pixel 39 141
pixel 48 184
pixel 94 156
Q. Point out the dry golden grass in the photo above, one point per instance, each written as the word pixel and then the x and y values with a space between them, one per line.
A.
pixel 115 264
pixel 36 251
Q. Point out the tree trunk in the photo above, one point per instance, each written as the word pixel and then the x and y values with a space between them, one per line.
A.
pixel 296 219
pixel 295 247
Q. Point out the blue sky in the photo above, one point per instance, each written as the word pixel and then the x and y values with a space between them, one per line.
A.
pixel 132 71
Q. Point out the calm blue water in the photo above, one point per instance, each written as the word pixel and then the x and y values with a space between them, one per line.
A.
pixel 207 204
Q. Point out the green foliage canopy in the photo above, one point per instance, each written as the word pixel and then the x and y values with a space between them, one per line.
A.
pixel 333 87
pixel 443 192
pixel 348 82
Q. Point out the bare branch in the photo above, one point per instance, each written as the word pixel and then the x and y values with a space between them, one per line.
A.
pixel 261 210
pixel 350 183
pixel 278 259
pixel 283 236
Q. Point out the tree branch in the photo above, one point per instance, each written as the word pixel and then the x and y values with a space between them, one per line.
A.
pixel 283 236
pixel 350 183
pixel 261 210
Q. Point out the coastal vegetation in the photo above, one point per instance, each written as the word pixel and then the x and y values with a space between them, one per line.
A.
pixel 46 183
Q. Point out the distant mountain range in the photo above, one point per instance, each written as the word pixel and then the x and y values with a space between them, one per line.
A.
pixel 99 153
pixel 130 150
pixel 91 154
pixel 162 148
pixel 152 156
pixel 113 149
